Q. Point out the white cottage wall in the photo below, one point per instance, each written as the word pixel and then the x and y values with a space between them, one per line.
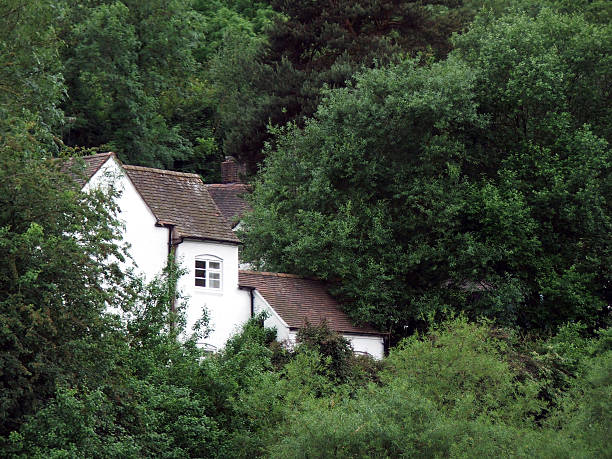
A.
pixel 361 344
pixel 372 345
pixel 228 307
pixel 273 320
pixel 148 244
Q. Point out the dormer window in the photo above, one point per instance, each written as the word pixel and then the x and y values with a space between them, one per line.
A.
pixel 208 272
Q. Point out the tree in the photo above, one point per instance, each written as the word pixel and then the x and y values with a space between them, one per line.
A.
pixel 471 184
pixel 56 273
pixel 448 393
pixel 128 64
pixel 315 44
pixel 585 408
pixel 31 81
pixel 231 18
pixel 146 403
pixel 138 82
pixel 545 89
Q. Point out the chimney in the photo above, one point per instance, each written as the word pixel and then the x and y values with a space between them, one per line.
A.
pixel 230 170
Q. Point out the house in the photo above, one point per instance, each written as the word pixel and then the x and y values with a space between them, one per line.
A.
pixel 291 301
pixel 168 213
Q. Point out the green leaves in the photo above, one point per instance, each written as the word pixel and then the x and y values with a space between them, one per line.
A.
pixel 53 242
pixel 451 392
pixel 128 64
pixel 470 184
pixel 31 79
pixel 316 45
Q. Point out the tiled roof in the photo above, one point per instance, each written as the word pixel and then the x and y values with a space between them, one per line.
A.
pixel 300 300
pixel 229 197
pixel 92 164
pixel 182 200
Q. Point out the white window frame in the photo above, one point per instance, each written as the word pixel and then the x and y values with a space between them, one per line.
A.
pixel 203 263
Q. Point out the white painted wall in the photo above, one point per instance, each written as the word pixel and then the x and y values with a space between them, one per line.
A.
pixel 373 345
pixel 148 244
pixel 228 307
pixel 273 320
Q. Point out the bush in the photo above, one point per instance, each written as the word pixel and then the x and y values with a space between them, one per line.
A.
pixel 585 410
pixel 450 393
pixel 462 368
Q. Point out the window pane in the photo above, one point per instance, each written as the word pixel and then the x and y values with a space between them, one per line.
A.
pixel 200 264
pixel 200 273
pixel 200 282
pixel 215 284
pixel 214 265
pixel 212 275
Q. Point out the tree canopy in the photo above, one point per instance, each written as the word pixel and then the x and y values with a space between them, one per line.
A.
pixel 57 250
pixel 470 184
pixel 444 165
pixel 317 44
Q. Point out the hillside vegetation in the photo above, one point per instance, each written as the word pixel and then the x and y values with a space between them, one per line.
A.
pixel 444 165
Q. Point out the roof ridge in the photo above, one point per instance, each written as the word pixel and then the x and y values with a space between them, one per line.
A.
pixel 195 217
pixel 93 163
pixel 95 155
pixel 161 171
pixel 269 273
pixel 228 185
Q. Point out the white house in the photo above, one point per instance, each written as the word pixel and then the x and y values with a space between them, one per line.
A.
pixel 292 301
pixel 167 212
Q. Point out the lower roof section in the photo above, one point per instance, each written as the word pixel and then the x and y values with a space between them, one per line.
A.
pixel 300 301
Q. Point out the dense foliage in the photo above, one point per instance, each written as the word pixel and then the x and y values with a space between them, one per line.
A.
pixel 473 184
pixel 79 382
pixel 128 76
pixel 53 283
pixel 31 82
pixel 461 390
pixel 456 392
pixel 317 44
pixel 175 84
pixel 445 165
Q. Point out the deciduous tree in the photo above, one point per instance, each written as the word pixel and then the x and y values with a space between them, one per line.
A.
pixel 314 44
pixel 471 184
pixel 57 276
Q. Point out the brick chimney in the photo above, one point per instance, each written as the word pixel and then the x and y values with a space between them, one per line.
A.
pixel 230 170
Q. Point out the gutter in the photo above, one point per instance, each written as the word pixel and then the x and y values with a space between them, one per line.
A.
pixel 251 292
pixel 172 253
pixel 205 239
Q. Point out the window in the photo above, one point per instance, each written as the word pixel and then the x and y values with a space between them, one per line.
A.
pixel 208 272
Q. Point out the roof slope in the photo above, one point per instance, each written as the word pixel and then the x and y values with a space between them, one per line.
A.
pixel 299 301
pixel 182 200
pixel 229 199
pixel 92 165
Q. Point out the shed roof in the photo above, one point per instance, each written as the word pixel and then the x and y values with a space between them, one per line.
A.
pixel 299 301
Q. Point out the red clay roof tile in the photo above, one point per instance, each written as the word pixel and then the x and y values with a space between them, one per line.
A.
pixel 229 197
pixel 91 165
